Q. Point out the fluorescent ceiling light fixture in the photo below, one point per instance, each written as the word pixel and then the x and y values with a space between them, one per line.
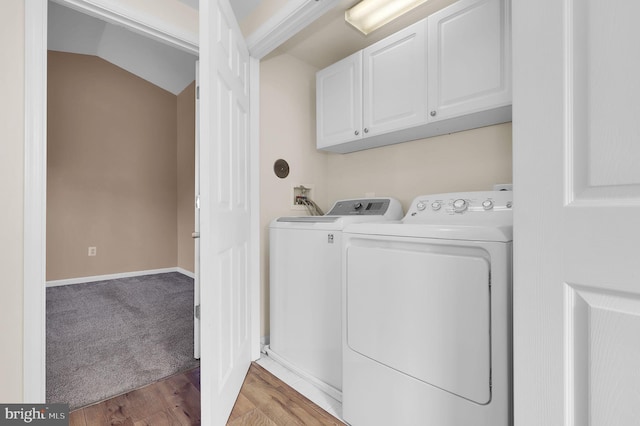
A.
pixel 369 15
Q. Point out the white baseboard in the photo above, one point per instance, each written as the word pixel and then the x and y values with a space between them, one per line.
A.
pixel 325 387
pixel 94 278
pixel 185 272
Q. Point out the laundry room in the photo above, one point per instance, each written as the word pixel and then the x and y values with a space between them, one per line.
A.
pixel 469 160
pixel 569 355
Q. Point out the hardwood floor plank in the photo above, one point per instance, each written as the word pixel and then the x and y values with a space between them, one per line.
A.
pixel 136 405
pixel 76 418
pixel 175 401
pixel 194 376
pixel 187 418
pixel 266 398
pixel 281 403
pixel 297 399
pixel 242 407
pixel 95 414
pixel 162 418
pixel 183 397
pixel 253 418
pixel 308 413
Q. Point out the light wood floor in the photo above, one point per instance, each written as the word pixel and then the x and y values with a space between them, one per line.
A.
pixel 264 400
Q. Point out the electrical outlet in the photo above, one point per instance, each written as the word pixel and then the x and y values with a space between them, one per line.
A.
pixel 92 251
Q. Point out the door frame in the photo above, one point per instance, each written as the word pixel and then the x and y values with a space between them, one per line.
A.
pixel 36 23
pixel 296 15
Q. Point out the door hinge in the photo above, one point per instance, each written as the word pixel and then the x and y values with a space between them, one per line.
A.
pixel 197 201
pixel 197 92
pixel 196 312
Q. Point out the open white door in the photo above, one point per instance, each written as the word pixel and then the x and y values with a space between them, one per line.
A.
pixel 576 123
pixel 224 209
pixel 196 230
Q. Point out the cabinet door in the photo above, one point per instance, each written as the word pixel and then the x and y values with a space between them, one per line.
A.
pixel 395 81
pixel 339 102
pixel 469 58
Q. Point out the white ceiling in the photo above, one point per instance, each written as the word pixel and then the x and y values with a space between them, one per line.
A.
pixel 241 8
pixel 330 38
pixel 324 42
pixel 166 67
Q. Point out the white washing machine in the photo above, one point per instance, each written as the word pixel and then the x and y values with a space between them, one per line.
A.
pixel 305 287
pixel 427 315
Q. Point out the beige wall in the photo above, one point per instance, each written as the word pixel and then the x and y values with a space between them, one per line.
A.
pixel 287 131
pixel 111 179
pixel 11 191
pixel 464 161
pixel 186 174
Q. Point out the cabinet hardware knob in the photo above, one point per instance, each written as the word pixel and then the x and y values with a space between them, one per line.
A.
pixel 366 130
pixel 356 133
pixel 433 113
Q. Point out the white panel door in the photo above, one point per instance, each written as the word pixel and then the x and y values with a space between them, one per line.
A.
pixel 339 102
pixel 469 58
pixel 577 212
pixel 395 81
pixel 196 230
pixel 225 210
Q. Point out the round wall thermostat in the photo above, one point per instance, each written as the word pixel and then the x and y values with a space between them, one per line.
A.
pixel 281 168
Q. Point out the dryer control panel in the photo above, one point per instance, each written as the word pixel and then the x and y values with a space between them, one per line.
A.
pixel 428 207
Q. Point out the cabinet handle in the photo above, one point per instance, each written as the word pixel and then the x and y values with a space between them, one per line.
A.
pixel 433 113
pixel 356 133
pixel 366 130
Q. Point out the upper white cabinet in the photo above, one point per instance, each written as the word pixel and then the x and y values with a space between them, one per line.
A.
pixel 392 74
pixel 447 73
pixel 395 87
pixel 339 102
pixel 469 58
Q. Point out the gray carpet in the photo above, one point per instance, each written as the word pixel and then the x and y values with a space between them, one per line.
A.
pixel 106 338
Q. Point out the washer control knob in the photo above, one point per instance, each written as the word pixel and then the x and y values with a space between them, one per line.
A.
pixel 421 206
pixel 436 205
pixel 357 206
pixel 487 204
pixel 460 205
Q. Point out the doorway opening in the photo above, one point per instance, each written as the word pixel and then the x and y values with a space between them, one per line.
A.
pixel 120 193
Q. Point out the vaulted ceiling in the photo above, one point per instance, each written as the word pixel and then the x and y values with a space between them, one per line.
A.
pixel 160 64
pixel 324 42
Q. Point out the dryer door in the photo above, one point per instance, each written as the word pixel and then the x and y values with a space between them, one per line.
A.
pixel 424 310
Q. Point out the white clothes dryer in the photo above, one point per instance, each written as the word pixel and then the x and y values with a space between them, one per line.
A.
pixel 427 314
pixel 305 287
